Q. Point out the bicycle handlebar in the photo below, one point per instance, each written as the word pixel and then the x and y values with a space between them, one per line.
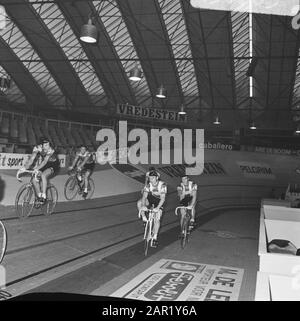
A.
pixel 21 171
pixel 148 209
pixel 185 207
pixel 75 170
pixel 140 213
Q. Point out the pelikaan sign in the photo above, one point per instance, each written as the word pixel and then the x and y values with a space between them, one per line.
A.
pixel 153 113
pixel 256 170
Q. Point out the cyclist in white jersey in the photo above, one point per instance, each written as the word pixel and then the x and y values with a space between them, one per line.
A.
pixel 147 175
pixel 187 192
pixel 154 195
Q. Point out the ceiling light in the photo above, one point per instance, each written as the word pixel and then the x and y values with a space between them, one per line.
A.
pixel 217 122
pixel 182 112
pixel 252 66
pixel 5 83
pixel 89 32
pixel 297 131
pixel 252 126
pixel 135 73
pixel 161 92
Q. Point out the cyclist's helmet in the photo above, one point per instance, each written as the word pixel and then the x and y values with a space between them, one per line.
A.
pixel 153 173
pixel 43 140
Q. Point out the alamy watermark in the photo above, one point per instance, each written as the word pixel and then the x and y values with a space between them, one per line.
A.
pixel 145 149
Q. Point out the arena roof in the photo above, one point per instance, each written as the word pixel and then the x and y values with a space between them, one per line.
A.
pixel 200 56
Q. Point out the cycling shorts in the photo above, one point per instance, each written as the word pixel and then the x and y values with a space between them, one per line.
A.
pixel 89 167
pixel 153 201
pixel 53 165
pixel 186 200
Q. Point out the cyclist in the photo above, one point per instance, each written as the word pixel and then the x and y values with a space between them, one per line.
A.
pixel 154 195
pixel 147 175
pixel 44 161
pixel 187 192
pixel 85 164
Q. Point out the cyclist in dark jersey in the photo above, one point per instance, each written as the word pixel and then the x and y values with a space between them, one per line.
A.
pixel 44 160
pixel 85 163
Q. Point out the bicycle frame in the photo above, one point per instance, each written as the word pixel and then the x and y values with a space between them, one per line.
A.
pixel 184 223
pixel 34 175
pixel 75 173
pixel 80 184
pixel 186 209
pixel 37 204
pixel 148 232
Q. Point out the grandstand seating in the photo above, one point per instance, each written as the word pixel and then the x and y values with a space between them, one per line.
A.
pixel 30 134
pixel 13 130
pixel 53 134
pixel 86 138
pixel 22 132
pixel 76 136
pixel 5 126
pixel 61 135
pixel 37 128
pixel 18 133
pixel 71 141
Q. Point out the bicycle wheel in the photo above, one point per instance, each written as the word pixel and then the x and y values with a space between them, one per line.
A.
pixel 52 197
pixel 148 234
pixel 25 201
pixel 71 188
pixel 3 241
pixel 91 188
pixel 184 230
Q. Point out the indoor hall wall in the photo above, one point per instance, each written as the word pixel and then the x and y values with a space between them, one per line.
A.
pixel 229 178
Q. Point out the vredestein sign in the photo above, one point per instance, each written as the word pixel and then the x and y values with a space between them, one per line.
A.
pixel 150 113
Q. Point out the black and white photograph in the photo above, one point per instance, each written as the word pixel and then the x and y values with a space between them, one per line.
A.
pixel 149 154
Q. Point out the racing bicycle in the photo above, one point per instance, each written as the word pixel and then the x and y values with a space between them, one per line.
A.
pixel 185 223
pixel 148 232
pixel 74 186
pixel 27 198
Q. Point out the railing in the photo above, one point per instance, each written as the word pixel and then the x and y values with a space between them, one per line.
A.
pixel 12 141
pixel 58 122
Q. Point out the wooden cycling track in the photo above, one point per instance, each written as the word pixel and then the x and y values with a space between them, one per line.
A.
pixel 95 246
